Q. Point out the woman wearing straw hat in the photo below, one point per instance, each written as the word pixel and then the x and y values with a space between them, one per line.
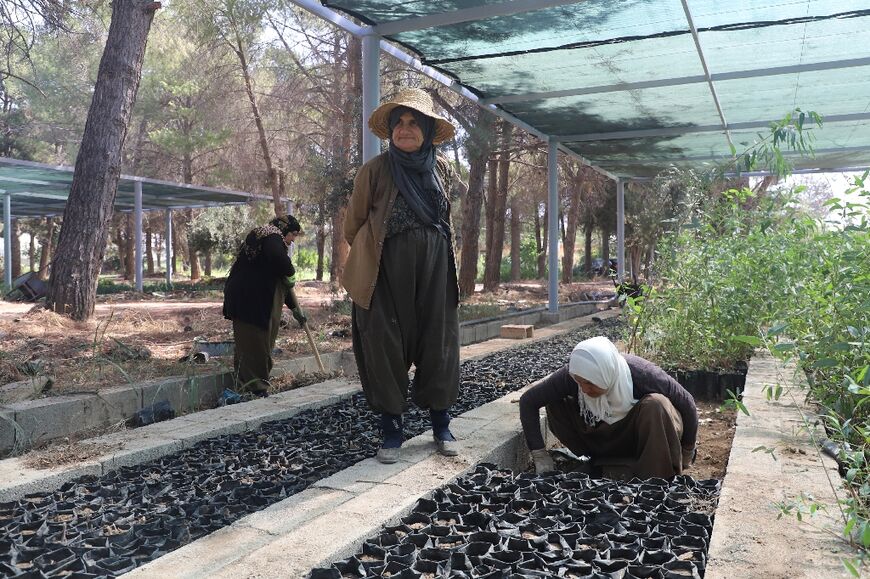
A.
pixel 401 272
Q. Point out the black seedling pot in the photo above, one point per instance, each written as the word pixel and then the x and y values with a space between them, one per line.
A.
pixel 330 573
pixel 446 518
pixel 644 572
pixel 653 543
pixel 681 570
pixel 689 542
pixel 656 558
pixel 488 537
pixel 419 540
pixel 349 567
pixel 424 566
pixel 460 562
pixel 502 559
pixel 115 565
pixel 450 542
pixel 435 532
pixel 698 519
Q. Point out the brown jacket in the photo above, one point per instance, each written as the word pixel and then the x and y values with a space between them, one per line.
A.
pixel 365 224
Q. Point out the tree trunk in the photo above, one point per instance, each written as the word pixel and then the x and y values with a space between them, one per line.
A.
pixel 498 189
pixel 340 248
pixel 73 285
pixel 516 239
pixel 207 262
pixel 187 175
pixel 47 245
pixel 544 248
pixel 321 247
pixel 31 253
pixel 120 244
pixel 158 247
pixel 261 130
pixel 129 250
pixel 605 248
pixel 492 192
pixel 570 238
pixel 180 247
pixel 478 152
pixel 587 247
pixel 14 239
pixel 149 255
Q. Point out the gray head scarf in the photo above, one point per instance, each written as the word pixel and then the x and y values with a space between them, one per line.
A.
pixel 415 174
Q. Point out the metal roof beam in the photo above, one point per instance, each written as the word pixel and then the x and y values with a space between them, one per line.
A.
pixel 706 70
pixel 23 181
pixel 327 14
pixel 488 10
pixel 682 80
pixel 677 131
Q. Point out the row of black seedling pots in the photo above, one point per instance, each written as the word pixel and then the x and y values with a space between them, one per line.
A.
pixel 106 526
pixel 712 385
pixel 492 524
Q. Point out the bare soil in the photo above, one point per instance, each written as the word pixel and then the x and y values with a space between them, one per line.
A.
pixel 715 435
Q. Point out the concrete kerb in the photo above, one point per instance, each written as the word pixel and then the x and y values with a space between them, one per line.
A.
pixel 749 539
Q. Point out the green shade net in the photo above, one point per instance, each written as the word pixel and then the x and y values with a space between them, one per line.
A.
pixel 38 189
pixel 766 58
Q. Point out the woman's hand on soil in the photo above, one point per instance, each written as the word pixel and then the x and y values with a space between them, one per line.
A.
pixel 689 455
pixel 543 461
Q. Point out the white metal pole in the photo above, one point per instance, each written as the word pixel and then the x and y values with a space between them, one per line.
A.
pixel 7 238
pixel 553 224
pixel 620 230
pixel 137 228
pixel 168 241
pixel 371 81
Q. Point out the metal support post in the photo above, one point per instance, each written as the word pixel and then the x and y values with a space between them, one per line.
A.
pixel 620 230
pixel 371 80
pixel 553 224
pixel 168 241
pixel 7 238
pixel 137 229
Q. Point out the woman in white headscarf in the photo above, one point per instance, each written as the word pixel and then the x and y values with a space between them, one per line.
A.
pixel 608 405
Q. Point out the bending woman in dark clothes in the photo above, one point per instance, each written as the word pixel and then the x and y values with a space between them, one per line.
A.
pixel 604 404
pixel 254 294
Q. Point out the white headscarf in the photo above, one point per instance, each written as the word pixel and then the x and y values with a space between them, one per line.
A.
pixel 598 361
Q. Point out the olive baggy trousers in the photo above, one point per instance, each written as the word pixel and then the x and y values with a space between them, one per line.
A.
pixel 648 437
pixel 413 319
pixel 252 354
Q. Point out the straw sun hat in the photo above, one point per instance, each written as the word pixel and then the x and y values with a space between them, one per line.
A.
pixel 416 99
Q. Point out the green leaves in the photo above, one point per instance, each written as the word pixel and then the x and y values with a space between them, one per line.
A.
pixel 751 340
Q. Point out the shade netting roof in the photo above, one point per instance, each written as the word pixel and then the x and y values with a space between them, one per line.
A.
pixel 38 189
pixel 633 85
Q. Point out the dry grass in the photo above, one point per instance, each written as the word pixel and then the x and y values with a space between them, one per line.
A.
pixel 289 381
pixel 138 341
pixel 63 453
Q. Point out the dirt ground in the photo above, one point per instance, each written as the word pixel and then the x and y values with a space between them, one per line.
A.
pixel 715 434
pixel 135 337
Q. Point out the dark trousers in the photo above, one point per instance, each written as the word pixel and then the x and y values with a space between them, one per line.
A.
pixel 648 437
pixel 413 319
pixel 252 358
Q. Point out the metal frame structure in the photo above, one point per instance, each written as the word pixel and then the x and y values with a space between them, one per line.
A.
pixel 373 36
pixel 22 195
